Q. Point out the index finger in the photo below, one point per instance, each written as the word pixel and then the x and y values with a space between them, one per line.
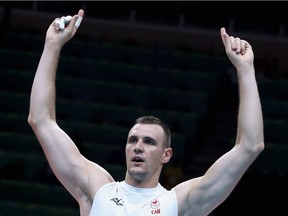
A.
pixel 76 19
pixel 224 37
pixel 80 17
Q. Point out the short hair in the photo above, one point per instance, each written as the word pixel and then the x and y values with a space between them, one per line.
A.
pixel 157 121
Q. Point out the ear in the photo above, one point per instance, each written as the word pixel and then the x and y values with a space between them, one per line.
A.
pixel 167 154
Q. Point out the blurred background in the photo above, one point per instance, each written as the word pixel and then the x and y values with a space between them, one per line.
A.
pixel 130 59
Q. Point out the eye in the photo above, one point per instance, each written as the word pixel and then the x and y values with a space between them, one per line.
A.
pixel 132 139
pixel 149 141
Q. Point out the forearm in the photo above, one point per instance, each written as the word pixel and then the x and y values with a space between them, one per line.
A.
pixel 42 101
pixel 250 120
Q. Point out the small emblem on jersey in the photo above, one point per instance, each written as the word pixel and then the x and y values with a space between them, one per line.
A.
pixel 154 204
pixel 117 201
pixel 117 198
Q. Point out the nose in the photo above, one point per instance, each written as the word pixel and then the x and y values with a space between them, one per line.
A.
pixel 138 147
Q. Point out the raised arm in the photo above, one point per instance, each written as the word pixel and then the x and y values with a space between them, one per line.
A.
pixel 202 195
pixel 70 167
pixel 250 120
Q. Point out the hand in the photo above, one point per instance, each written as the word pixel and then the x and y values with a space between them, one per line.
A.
pixel 238 51
pixel 60 36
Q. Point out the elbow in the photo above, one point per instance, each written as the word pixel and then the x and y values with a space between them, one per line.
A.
pixel 34 122
pixel 261 147
pixel 257 148
pixel 254 143
pixel 252 147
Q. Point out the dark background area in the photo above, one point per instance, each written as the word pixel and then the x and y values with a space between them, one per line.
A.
pixel 134 58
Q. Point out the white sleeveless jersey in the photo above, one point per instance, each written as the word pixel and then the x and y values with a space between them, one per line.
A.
pixel 121 199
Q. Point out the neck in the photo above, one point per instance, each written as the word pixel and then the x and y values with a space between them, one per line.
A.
pixel 141 181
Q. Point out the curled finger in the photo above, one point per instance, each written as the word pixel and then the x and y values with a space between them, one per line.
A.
pixel 56 24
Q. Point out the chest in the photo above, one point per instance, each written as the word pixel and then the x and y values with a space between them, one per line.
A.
pixel 116 202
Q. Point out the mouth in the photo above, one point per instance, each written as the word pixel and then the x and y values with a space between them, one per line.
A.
pixel 137 159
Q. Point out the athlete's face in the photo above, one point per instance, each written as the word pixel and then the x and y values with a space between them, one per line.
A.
pixel 145 154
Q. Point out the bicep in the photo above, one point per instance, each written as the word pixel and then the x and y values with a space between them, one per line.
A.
pixel 205 193
pixel 71 168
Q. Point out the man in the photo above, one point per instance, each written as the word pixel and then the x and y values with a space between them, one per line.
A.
pixel 147 148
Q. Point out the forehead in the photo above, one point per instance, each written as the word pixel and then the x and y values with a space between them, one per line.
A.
pixel 148 130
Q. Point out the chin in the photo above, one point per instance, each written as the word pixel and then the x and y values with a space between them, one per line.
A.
pixel 136 173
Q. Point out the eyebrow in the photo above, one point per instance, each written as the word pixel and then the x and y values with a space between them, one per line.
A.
pixel 150 138
pixel 144 138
